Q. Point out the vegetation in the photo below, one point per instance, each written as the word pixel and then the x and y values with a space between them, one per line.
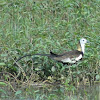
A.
pixel 38 26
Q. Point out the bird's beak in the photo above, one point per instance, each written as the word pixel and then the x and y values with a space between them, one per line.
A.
pixel 88 42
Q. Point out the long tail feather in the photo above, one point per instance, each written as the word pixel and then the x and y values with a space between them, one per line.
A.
pixel 51 55
pixel 23 57
pixel 48 55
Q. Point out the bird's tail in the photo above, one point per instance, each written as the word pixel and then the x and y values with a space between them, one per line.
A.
pixel 51 55
pixel 48 55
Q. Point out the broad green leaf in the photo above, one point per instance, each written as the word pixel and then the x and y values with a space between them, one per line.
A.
pixel 53 69
pixel 18 92
pixel 97 77
pixel 3 91
pixel 4 55
pixel 2 64
pixel 2 83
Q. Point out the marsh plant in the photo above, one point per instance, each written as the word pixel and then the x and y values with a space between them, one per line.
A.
pixel 38 26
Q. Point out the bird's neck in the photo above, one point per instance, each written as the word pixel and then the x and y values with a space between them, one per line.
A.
pixel 81 47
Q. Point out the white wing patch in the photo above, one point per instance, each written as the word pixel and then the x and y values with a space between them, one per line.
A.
pixel 72 60
pixel 67 60
pixel 79 57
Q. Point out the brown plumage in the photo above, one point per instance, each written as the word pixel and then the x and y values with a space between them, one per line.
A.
pixel 69 54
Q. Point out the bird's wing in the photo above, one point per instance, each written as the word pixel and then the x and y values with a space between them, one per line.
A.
pixel 70 55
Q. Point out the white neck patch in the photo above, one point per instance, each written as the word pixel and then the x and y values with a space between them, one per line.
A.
pixel 83 47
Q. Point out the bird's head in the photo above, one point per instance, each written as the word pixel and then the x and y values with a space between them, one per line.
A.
pixel 81 45
pixel 83 41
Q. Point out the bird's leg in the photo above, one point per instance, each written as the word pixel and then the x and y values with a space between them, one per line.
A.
pixel 70 72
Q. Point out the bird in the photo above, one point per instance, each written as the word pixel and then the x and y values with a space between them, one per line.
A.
pixel 70 57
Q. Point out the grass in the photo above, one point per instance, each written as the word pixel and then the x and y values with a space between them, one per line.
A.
pixel 40 26
pixel 51 93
